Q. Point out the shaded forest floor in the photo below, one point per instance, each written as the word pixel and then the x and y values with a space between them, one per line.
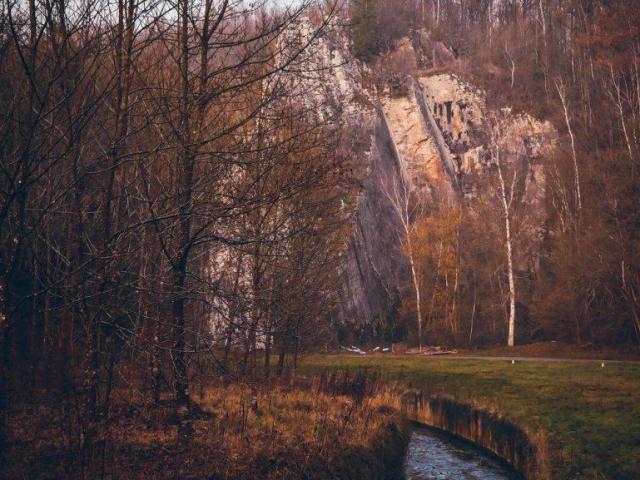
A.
pixel 591 413
pixel 237 433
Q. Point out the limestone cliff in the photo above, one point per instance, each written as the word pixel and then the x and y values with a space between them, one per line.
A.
pixel 435 126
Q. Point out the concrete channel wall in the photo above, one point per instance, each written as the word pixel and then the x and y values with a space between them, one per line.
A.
pixel 526 452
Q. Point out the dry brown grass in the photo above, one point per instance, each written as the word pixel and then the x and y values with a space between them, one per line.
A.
pixel 293 433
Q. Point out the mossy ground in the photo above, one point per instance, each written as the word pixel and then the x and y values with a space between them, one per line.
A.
pixel 592 413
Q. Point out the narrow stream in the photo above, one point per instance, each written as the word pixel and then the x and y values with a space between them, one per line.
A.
pixel 437 456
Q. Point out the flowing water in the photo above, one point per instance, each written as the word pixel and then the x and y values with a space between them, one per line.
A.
pixel 436 456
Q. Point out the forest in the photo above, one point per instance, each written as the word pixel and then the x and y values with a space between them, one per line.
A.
pixel 176 205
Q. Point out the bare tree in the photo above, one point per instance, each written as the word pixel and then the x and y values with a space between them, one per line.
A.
pixel 396 188
pixel 562 93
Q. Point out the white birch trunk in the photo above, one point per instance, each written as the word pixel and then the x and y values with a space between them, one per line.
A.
pixel 506 199
pixel 562 94
pixel 416 287
pixel 618 103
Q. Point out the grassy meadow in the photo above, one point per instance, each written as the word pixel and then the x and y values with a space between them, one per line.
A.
pixel 592 414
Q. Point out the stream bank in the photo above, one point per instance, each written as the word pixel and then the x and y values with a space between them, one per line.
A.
pixel 525 451
pixel 435 455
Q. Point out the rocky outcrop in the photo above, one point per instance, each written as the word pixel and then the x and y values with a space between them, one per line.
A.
pixel 436 127
pixel 375 267
pixel 444 154
pixel 414 142
pixel 461 114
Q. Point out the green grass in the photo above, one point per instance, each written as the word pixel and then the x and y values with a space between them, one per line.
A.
pixel 592 414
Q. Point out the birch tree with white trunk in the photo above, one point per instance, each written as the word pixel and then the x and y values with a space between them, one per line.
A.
pixel 562 93
pixel 506 191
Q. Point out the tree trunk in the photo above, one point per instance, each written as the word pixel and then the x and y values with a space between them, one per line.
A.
pixel 281 357
pixel 507 201
pixel 576 171
pixel 416 288
pixel 183 403
pixel 267 354
pixel 473 317
pixel 512 285
pixel 185 182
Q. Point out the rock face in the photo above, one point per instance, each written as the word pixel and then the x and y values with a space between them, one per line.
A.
pixel 375 267
pixel 420 144
pixel 434 126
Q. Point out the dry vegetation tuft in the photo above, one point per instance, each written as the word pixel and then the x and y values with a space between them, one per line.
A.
pixel 239 432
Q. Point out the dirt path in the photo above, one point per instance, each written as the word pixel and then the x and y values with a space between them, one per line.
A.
pixel 531 359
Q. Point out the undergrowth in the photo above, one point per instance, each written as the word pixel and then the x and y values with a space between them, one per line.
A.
pixel 335 427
